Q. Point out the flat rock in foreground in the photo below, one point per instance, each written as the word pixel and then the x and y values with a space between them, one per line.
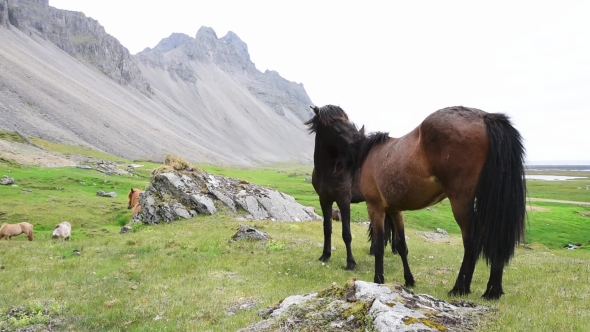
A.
pixel 361 305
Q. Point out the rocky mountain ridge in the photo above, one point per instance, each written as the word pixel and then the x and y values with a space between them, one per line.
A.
pixel 64 79
pixel 175 53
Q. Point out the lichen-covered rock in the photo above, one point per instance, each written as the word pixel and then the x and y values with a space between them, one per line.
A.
pixel 183 194
pixel 361 306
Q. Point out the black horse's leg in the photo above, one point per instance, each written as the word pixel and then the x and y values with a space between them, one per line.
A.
pixel 326 206
pixel 344 206
pixel 377 217
pixel 494 289
pixel 402 248
pixel 389 229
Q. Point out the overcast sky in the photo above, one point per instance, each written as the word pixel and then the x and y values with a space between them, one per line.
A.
pixel 389 64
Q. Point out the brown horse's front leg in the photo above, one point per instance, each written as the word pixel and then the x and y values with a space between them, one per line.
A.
pixel 344 206
pixel 377 216
pixel 327 213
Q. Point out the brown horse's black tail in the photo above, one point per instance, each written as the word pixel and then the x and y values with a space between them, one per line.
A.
pixel 500 200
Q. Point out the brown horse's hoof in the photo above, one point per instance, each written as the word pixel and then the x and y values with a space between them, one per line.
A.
pixel 492 293
pixel 351 266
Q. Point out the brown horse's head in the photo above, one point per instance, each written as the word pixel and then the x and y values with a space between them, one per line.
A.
pixel 133 198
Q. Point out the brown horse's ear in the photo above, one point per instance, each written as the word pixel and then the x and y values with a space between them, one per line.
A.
pixel 315 109
pixel 131 189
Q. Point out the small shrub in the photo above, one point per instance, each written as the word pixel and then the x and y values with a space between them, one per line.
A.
pixel 275 245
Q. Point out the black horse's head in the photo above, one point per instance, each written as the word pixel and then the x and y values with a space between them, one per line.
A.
pixel 331 124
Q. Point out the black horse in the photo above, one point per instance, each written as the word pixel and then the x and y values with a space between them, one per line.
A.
pixel 331 180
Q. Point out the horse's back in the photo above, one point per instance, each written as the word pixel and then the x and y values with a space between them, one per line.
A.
pixel 411 172
pixel 454 142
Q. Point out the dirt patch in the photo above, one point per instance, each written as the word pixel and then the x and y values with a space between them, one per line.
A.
pixel 531 208
pixel 25 154
pixel 435 236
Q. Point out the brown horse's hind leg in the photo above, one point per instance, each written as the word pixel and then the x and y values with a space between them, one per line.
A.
pixel 326 206
pixel 344 206
pixel 402 247
pixel 494 289
pixel 462 213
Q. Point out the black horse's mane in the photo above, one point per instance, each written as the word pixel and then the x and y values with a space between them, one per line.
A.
pixel 325 115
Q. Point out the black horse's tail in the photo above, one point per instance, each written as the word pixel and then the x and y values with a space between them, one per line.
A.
pixel 500 204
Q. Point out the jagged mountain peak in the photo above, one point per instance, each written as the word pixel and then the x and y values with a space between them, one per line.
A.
pixel 241 48
pixel 206 32
pixel 173 41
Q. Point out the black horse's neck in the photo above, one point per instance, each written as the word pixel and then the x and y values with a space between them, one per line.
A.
pixel 330 156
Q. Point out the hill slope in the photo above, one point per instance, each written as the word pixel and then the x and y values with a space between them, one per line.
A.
pixel 62 78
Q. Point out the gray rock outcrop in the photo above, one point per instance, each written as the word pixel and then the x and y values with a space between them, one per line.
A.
pixel 250 233
pixel 6 180
pixel 104 194
pixel 174 195
pixel 361 306
pixel 4 12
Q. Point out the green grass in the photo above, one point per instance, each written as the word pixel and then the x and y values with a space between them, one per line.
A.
pixel 68 150
pixel 10 136
pixel 190 274
pixel 571 190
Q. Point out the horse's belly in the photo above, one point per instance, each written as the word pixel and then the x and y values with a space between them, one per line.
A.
pixel 416 195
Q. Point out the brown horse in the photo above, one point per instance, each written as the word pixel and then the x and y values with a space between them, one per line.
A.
pixel 10 230
pixel 331 180
pixel 474 158
pixel 134 201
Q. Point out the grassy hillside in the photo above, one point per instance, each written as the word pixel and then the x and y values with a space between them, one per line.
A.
pixel 189 276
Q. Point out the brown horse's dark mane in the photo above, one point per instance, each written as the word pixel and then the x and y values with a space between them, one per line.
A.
pixel 368 143
pixel 361 149
pixel 325 115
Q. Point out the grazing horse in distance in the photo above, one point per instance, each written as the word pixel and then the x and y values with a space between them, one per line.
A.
pixel 473 158
pixel 62 230
pixel 10 230
pixel 331 178
pixel 134 201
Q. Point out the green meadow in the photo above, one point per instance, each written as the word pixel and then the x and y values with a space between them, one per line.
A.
pixel 189 276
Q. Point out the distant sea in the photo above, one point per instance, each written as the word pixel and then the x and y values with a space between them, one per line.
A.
pixel 533 167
